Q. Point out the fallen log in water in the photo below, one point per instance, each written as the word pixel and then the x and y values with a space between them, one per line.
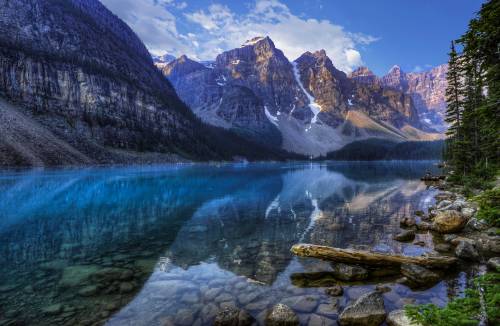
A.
pixel 351 256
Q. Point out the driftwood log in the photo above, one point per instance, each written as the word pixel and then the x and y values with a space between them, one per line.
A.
pixel 351 256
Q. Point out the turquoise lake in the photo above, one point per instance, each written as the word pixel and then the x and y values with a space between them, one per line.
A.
pixel 172 244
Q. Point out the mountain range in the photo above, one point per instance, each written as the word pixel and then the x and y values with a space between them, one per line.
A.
pixel 77 86
pixel 308 106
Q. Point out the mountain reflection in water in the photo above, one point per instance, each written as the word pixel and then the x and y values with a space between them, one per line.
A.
pixel 173 244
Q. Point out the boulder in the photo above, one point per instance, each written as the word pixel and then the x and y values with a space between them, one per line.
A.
pixel 399 318
pixel 466 250
pixel 232 316
pixel 407 235
pixel 449 237
pixel 446 195
pixel 367 310
pixel 334 291
pixel 494 264
pixel 442 247
pixel 407 222
pixel 424 226
pixel 458 204
pixel 281 315
pixel 468 212
pixel 347 272
pixel 476 225
pixel 318 320
pixel 449 221
pixel 443 204
pixel 419 275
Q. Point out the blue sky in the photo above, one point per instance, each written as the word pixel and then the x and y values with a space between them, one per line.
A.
pixel 377 33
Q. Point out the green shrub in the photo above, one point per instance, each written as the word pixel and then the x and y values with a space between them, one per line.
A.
pixel 462 311
pixel 489 206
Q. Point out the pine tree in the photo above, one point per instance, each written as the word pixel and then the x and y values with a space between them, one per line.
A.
pixel 454 105
pixel 473 97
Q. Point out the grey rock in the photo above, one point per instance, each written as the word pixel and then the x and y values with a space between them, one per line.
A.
pixel 408 221
pixel 466 250
pixel 443 204
pixel 317 320
pixel 232 316
pixel 419 275
pixel 476 225
pixel 424 226
pixel 368 310
pixel 399 318
pixel 349 272
pixel 88 291
pixel 442 247
pixel 303 303
pixel 407 235
pixel 494 264
pixel 282 315
pixel 449 237
pixel 335 290
pixel 327 309
pixel 184 317
pixel 53 309
pixel 468 212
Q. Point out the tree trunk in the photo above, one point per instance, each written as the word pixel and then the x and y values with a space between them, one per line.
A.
pixel 352 256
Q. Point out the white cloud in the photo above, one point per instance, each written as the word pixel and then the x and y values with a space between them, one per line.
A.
pixel 223 29
pixel 152 22
pixel 217 29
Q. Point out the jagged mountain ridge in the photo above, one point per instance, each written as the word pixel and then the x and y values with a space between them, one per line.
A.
pixel 314 107
pixel 76 71
pixel 426 88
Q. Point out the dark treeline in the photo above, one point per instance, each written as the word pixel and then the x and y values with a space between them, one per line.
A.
pixel 473 99
pixel 383 149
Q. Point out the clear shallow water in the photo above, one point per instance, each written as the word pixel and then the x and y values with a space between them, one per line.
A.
pixel 172 244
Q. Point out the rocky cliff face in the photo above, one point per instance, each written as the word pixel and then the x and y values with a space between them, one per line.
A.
pixel 427 90
pixel 82 74
pixel 306 106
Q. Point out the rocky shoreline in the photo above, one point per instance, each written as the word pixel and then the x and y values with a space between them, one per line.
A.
pixel 456 233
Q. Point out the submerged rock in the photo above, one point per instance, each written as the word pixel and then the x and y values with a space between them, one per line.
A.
pixel 88 291
pixel 232 316
pixel 466 250
pixel 282 315
pixel 407 222
pixel 449 221
pixel 442 247
pixel 419 275
pixel 368 310
pixel 349 272
pixel 335 290
pixel 399 318
pixel 317 320
pixel 405 236
pixel 54 309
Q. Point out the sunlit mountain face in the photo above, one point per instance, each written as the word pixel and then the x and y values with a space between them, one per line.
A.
pixel 159 245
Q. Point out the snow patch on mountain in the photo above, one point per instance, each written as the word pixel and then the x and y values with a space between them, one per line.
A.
pixel 270 117
pixel 315 107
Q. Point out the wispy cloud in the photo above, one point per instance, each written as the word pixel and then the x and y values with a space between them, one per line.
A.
pixel 217 29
